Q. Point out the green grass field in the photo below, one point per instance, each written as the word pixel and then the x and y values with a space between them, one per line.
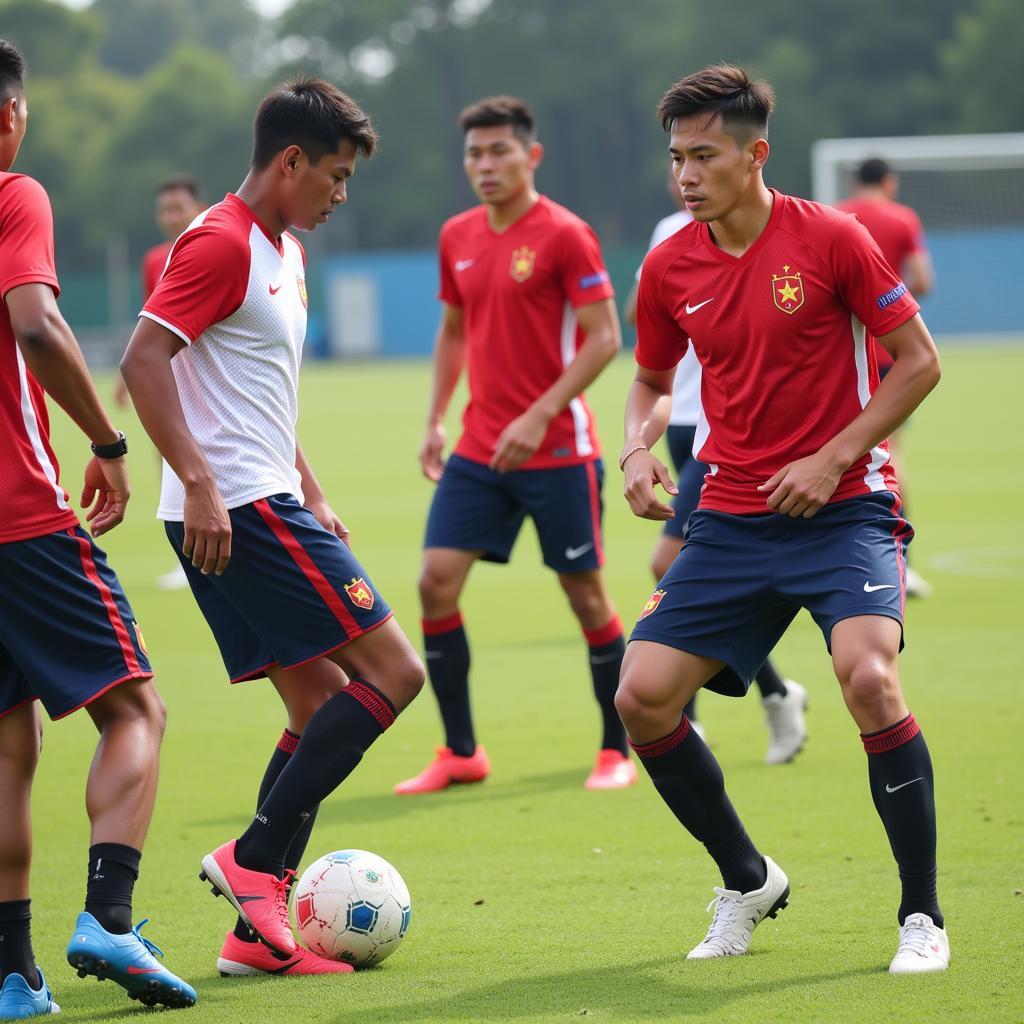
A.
pixel 533 900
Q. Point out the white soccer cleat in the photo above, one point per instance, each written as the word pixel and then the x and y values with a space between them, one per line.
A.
pixel 923 947
pixel 173 580
pixel 738 914
pixel 785 719
pixel 917 585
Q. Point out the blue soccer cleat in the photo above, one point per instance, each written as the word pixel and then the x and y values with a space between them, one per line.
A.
pixel 18 1001
pixel 127 959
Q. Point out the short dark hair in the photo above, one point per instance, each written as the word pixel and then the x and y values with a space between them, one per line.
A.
pixel 181 182
pixel 873 171
pixel 723 90
pixel 12 71
pixel 493 111
pixel 313 115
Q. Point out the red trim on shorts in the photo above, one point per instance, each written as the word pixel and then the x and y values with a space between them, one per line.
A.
pixel 20 704
pixel 435 627
pixel 595 509
pixel 308 567
pixel 899 531
pixel 665 744
pixel 288 742
pixel 891 738
pixel 609 632
pixel 131 661
pixel 372 701
pixel 99 693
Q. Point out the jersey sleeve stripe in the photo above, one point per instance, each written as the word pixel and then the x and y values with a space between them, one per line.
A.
pixel 28 415
pixel 580 420
pixel 166 323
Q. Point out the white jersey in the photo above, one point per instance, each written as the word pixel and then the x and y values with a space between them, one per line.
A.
pixel 686 385
pixel 236 296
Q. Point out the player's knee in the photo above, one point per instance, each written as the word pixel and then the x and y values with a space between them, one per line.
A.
pixel 437 590
pixel 588 600
pixel 406 681
pixel 869 681
pixel 633 704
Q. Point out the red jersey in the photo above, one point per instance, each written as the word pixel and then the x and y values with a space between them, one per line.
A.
pixel 783 335
pixel 153 264
pixel 32 502
pixel 518 290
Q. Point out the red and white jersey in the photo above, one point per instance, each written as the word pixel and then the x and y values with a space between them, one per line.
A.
pixel 518 290
pixel 236 296
pixel 784 338
pixel 32 501
pixel 153 263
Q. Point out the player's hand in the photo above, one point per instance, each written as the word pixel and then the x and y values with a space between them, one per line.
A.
pixel 802 487
pixel 430 452
pixel 207 540
pixel 642 471
pixel 106 484
pixel 121 396
pixel 325 516
pixel 519 440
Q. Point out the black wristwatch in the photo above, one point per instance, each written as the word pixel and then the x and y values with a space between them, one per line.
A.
pixel 111 451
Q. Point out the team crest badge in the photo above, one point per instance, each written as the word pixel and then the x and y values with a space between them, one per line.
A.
pixel 301 282
pixel 652 603
pixel 523 260
pixel 359 593
pixel 787 290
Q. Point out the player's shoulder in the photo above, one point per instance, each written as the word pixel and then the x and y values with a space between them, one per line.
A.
pixel 471 220
pixel 560 219
pixel 677 246
pixel 222 231
pixel 819 227
pixel 18 189
pixel 289 241
pixel 158 253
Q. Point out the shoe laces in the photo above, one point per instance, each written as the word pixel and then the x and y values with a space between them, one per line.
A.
pixel 151 947
pixel 916 937
pixel 283 887
pixel 727 910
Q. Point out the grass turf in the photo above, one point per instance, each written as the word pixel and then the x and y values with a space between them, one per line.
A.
pixel 534 901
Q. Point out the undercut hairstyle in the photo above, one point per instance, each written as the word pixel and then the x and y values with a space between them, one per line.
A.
pixel 498 110
pixel 873 171
pixel 12 71
pixel 722 90
pixel 313 115
pixel 181 182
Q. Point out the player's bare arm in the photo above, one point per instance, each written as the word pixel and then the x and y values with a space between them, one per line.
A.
pixel 315 499
pixel 52 354
pixel 449 359
pixel 602 340
pixel 918 273
pixel 802 487
pixel 648 407
pixel 146 368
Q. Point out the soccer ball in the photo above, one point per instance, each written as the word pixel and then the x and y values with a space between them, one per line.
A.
pixel 353 906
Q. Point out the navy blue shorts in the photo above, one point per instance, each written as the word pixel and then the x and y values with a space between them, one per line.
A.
pixel 690 475
pixel 292 591
pixel 67 632
pixel 475 508
pixel 740 580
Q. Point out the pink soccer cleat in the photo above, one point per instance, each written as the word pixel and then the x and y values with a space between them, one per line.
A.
pixel 612 770
pixel 260 898
pixel 447 769
pixel 239 958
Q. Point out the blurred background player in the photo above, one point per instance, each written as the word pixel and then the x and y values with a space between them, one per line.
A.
pixel 67 633
pixel 897 230
pixel 179 201
pixel 528 308
pixel 784 701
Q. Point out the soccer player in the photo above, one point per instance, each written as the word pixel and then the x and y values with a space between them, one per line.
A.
pixel 178 203
pixel 68 637
pixel 780 298
pixel 528 307
pixel 213 371
pixel 783 700
pixel 897 230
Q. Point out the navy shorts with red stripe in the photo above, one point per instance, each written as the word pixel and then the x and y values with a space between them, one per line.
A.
pixel 67 632
pixel 475 508
pixel 292 590
pixel 739 581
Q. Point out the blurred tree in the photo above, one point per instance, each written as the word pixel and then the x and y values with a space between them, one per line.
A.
pixel 54 39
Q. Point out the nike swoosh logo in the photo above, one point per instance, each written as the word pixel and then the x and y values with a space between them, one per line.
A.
pixel 273 290
pixel 870 588
pixel 602 659
pixel 892 789
pixel 574 553
pixel 693 309
pixel 143 970
pixel 461 265
pixel 286 968
pixel 248 899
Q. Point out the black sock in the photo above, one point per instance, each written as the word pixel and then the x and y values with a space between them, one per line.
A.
pixel 691 708
pixel 688 778
pixel 282 755
pixel 447 656
pixel 769 681
pixel 333 744
pixel 903 789
pixel 113 872
pixel 606 648
pixel 16 956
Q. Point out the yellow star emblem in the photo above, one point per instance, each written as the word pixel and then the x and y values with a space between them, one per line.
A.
pixel 788 293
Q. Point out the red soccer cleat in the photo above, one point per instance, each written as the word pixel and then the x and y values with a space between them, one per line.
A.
pixel 260 898
pixel 238 957
pixel 448 768
pixel 612 770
